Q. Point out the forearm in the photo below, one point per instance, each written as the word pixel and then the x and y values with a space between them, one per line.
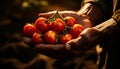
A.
pixel 111 26
pixel 108 27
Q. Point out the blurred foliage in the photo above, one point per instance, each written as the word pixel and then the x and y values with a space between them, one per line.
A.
pixel 34 7
pixel 28 9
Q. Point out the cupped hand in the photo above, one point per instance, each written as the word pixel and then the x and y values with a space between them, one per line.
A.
pixel 87 39
pixel 73 48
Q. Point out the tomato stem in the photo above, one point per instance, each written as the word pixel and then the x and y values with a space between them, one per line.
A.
pixel 66 30
pixel 54 17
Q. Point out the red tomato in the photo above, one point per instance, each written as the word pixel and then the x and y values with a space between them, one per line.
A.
pixel 41 24
pixel 57 25
pixel 65 38
pixel 50 37
pixel 76 30
pixel 70 21
pixel 37 38
pixel 29 29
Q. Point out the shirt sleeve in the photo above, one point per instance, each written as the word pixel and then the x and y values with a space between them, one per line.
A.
pixel 116 16
pixel 105 5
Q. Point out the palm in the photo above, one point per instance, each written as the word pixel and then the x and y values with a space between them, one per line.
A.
pixel 61 50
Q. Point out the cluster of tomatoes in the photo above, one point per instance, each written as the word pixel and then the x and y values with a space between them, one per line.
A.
pixel 53 30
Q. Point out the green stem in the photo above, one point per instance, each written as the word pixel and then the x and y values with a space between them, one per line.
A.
pixel 54 17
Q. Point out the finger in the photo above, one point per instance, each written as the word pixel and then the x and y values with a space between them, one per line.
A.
pixel 49 47
pixel 27 40
pixel 62 13
pixel 79 43
pixel 68 13
pixel 47 14
pixel 74 43
pixel 55 51
pixel 86 23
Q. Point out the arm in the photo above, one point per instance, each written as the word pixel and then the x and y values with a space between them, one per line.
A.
pixel 94 13
pixel 95 35
pixel 87 39
pixel 93 8
pixel 111 26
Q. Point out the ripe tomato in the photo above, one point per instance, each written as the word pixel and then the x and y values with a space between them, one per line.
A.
pixel 29 29
pixel 76 30
pixel 70 21
pixel 65 38
pixel 41 24
pixel 57 25
pixel 37 38
pixel 50 37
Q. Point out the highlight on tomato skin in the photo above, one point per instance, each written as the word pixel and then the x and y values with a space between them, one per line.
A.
pixel 70 21
pixel 65 38
pixel 50 37
pixel 41 24
pixel 76 30
pixel 29 29
pixel 58 25
pixel 37 38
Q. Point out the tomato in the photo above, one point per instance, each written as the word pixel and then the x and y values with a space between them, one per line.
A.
pixel 57 25
pixel 41 24
pixel 65 38
pixel 29 29
pixel 50 37
pixel 37 38
pixel 70 21
pixel 76 30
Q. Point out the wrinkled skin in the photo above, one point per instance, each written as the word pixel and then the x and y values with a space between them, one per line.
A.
pixel 76 47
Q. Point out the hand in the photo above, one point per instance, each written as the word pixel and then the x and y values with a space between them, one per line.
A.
pixel 76 47
pixel 86 40
pixel 80 18
pixel 68 49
